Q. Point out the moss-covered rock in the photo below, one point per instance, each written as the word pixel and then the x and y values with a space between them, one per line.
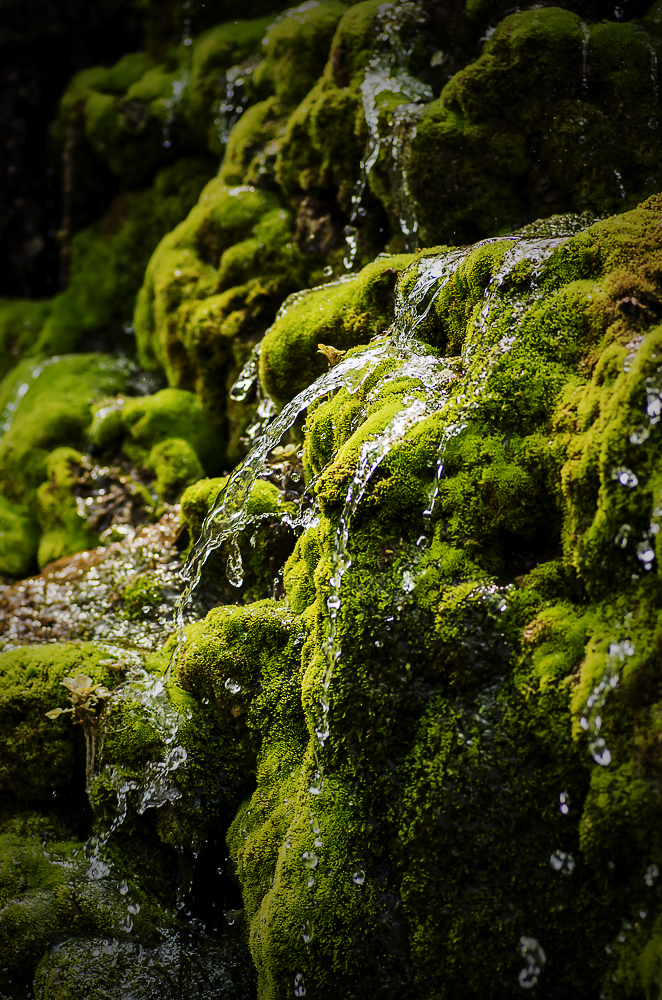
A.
pixel 525 146
pixel 211 289
pixel 411 822
pixel 46 404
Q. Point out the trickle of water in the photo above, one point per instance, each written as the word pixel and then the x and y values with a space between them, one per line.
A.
pixel 228 516
pixel 171 104
pixel 387 72
pixel 316 783
pixel 309 859
pixel 592 718
pixel 248 376
pixel 535 959
pixel 647 42
pixel 585 40
pixel 234 101
pixel 619 181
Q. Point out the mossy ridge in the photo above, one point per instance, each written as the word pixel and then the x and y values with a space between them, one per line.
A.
pixel 453 600
pixel 342 315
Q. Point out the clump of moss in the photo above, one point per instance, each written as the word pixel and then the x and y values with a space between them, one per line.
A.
pixel 21 321
pixel 18 539
pixel 63 527
pixel 108 259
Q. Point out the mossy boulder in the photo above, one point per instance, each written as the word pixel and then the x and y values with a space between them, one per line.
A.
pixel 525 146
pixel 211 289
pixel 407 816
pixel 47 404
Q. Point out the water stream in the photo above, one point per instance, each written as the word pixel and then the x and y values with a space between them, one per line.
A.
pixel 388 73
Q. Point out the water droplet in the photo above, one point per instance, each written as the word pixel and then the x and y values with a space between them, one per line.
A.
pixel 562 862
pixel 314 825
pixel 316 784
pixel 625 476
pixel 652 873
pixel 358 878
pixel 307 933
pixel 235 566
pixel 622 536
pixel 646 553
pixel 408 582
pixel 310 881
pixel 299 985
pixel 234 687
pixel 564 803
pixel 535 958
pixel 309 859
pixel 640 434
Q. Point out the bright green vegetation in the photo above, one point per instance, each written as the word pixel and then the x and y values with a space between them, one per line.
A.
pixel 415 740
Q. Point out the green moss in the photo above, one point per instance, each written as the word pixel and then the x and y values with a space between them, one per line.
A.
pixel 141 592
pixel 21 321
pixel 340 315
pixel 49 405
pixel 211 289
pixel 170 413
pixel 108 260
pixel 296 47
pixel 18 539
pixel 176 466
pixel 63 529
pixel 43 760
pixel 49 893
pixel 322 146
pixel 263 546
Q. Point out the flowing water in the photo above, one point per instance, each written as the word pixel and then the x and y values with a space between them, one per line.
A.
pixel 388 73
